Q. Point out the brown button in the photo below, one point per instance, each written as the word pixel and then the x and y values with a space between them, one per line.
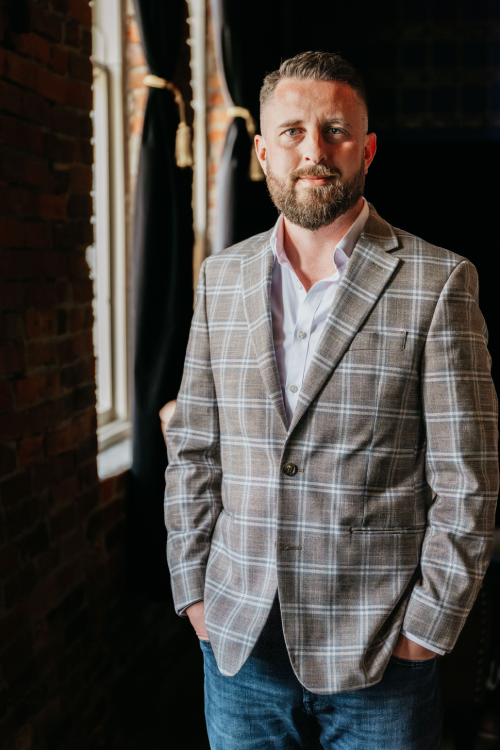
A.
pixel 290 469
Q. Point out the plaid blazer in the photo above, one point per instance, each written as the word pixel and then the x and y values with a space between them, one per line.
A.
pixel 382 516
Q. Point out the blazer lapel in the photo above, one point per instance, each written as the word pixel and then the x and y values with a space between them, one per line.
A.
pixel 366 276
pixel 256 275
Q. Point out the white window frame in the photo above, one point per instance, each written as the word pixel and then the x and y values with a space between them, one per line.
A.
pixel 109 260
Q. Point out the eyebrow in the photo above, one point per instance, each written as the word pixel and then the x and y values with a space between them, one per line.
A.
pixel 330 119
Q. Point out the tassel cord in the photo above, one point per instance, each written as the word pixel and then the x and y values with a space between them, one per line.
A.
pixel 183 149
pixel 255 171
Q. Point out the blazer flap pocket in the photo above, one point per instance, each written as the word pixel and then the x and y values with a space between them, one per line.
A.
pixel 379 340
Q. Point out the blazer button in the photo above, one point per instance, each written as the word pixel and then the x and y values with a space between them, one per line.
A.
pixel 290 469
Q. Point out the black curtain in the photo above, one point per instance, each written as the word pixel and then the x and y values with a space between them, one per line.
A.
pixel 162 293
pixel 243 207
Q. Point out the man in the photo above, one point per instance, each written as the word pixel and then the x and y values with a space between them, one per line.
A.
pixel 333 460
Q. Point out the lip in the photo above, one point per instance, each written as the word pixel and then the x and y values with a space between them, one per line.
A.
pixel 315 180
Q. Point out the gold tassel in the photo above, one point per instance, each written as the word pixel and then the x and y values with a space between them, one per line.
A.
pixel 183 151
pixel 255 171
pixel 183 148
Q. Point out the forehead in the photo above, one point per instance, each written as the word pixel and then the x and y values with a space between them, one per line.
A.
pixel 308 99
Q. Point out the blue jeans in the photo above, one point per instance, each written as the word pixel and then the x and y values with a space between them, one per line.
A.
pixel 264 706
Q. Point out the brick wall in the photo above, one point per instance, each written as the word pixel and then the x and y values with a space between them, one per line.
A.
pixel 217 124
pixel 80 659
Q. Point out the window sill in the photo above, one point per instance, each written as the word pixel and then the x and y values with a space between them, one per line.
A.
pixel 115 459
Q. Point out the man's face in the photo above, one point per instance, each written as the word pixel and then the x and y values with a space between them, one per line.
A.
pixel 314 150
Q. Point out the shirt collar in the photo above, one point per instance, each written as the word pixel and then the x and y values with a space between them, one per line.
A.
pixel 343 249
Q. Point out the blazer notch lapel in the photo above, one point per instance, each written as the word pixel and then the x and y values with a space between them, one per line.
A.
pixel 367 275
pixel 256 275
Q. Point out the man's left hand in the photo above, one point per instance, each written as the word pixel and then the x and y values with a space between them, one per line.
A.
pixel 406 649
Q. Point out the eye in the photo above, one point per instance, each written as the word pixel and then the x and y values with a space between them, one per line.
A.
pixel 335 131
pixel 291 131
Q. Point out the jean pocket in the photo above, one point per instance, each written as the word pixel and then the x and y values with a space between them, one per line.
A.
pixel 412 663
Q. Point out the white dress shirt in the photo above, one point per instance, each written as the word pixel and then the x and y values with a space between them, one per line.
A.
pixel 299 318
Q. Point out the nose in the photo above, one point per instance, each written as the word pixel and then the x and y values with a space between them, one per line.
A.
pixel 315 148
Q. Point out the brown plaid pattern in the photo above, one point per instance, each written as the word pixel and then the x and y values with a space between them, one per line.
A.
pixel 386 524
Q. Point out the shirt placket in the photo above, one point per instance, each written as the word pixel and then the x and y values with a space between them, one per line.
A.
pixel 296 366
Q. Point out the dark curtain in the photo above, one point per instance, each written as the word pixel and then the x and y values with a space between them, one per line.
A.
pixel 243 207
pixel 162 293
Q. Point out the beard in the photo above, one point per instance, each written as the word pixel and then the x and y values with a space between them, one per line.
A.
pixel 315 207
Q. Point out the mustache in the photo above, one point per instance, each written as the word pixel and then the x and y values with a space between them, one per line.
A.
pixel 318 170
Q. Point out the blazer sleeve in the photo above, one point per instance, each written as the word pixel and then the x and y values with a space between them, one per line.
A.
pixel 193 477
pixel 460 413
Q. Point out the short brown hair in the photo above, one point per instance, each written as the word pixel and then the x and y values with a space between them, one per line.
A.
pixel 315 66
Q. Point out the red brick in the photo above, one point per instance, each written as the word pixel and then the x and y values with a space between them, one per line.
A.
pixel 133 35
pixel 37 388
pixel 43 599
pixel 64 120
pixel 85 127
pixel 83 291
pixel 39 48
pixel 17 201
pixel 38 234
pixel 39 354
pixel 35 108
pixel 10 98
pixel 72 34
pixel 59 441
pixel 20 69
pixel 9 560
pixel 36 173
pixel 13 425
pixel 85 424
pixel 41 323
pixel 11 357
pixel 80 10
pixel 66 490
pixel 79 94
pixel 11 166
pixel 86 42
pixel 7 463
pixel 30 450
pixel 80 205
pixel 12 233
pixel 46 23
pixel 15 488
pixel 60 149
pixel 53 206
pixel 63 521
pixel 51 86
pixel 33 45
pixel 5 396
pixel 11 624
pixel 59 60
pixel 80 68
pixel 34 542
pixel 21 135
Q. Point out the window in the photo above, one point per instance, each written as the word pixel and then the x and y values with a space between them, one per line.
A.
pixel 107 256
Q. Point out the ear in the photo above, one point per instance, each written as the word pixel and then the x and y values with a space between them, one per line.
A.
pixel 369 150
pixel 260 149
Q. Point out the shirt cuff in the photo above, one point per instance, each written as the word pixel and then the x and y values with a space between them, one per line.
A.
pixel 182 613
pixel 422 643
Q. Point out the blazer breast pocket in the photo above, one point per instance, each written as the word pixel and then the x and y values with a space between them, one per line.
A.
pixel 393 340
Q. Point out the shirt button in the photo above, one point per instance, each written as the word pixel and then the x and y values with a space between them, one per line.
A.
pixel 294 388
pixel 299 285
pixel 302 335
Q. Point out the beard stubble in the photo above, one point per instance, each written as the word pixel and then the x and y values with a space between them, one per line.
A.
pixel 317 206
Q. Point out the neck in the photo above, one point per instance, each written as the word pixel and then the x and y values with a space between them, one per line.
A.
pixel 311 252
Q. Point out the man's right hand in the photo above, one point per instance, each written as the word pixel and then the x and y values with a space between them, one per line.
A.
pixel 196 614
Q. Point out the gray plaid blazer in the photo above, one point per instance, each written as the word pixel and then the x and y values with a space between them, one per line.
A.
pixel 385 521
